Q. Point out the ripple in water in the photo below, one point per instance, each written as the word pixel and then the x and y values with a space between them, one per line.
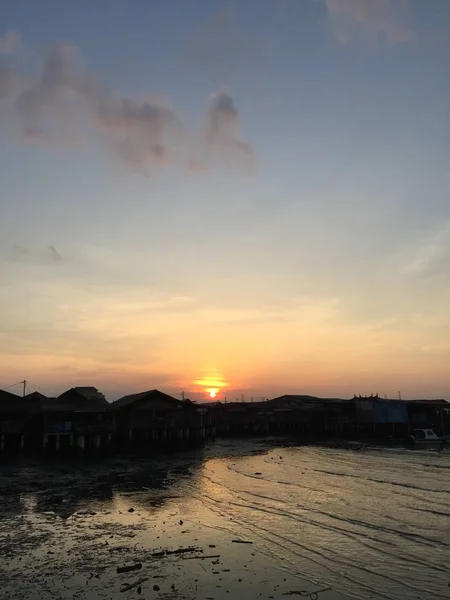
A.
pixel 373 524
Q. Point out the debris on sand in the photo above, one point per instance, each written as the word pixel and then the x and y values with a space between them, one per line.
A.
pixel 202 556
pixel 312 595
pixel 130 510
pixel 162 553
pixel 184 550
pixel 128 568
pixel 130 586
pixel 242 542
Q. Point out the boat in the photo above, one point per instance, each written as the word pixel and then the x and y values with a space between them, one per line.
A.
pixel 425 439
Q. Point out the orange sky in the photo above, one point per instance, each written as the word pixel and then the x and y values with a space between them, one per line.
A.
pixel 131 340
pixel 266 212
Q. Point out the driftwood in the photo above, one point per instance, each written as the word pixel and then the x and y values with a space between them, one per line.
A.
pixel 178 551
pixel 184 550
pixel 130 586
pixel 127 568
pixel 202 556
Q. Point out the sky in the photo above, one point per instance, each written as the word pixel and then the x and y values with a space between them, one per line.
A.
pixel 250 199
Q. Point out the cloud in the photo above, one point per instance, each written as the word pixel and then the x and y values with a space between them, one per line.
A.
pixel 143 133
pixel 36 257
pixel 10 43
pixel 431 255
pixel 55 255
pixel 386 20
pixel 19 252
pixel 196 166
pixel 49 94
pixel 9 82
pixel 222 129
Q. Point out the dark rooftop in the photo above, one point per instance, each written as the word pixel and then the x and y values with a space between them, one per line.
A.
pixel 83 398
pixel 13 403
pixel 131 398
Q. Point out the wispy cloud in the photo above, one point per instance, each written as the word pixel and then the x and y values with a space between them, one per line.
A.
pixel 55 255
pixel 430 255
pixel 36 256
pixel 385 20
pixel 144 133
pixel 10 43
pixel 61 314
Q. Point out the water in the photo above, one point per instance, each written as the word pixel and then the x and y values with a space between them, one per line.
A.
pixel 372 524
pixel 368 524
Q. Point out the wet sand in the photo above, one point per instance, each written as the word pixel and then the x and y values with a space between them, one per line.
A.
pixel 66 529
pixel 79 559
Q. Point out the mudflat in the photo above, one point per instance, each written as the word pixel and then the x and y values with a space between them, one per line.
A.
pixel 240 519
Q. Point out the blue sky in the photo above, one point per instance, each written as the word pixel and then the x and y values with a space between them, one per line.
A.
pixel 294 234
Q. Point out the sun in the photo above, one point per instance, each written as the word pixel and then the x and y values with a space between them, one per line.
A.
pixel 211 384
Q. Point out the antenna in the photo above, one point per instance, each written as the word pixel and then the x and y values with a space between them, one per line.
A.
pixel 24 383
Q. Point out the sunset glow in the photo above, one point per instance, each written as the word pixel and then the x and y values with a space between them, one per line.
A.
pixel 216 227
pixel 211 383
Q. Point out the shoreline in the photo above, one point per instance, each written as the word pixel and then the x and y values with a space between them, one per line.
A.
pixel 321 521
pixel 77 457
pixel 77 553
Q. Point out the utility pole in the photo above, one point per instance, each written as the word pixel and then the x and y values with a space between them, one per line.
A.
pixel 399 395
pixel 24 386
